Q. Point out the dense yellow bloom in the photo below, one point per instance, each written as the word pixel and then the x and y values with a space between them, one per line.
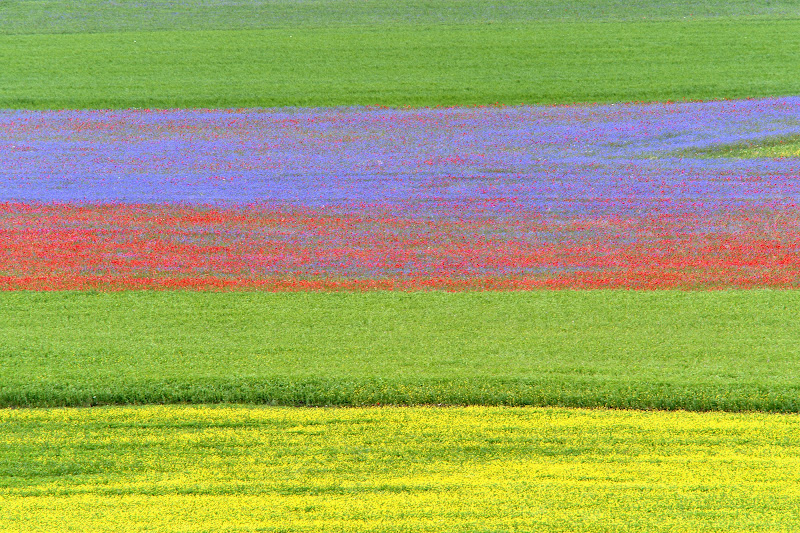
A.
pixel 183 468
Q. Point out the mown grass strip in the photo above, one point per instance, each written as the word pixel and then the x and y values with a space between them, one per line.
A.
pixel 404 65
pixel 228 468
pixel 725 350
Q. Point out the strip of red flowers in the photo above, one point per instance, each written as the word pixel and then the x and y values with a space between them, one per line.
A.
pixel 124 246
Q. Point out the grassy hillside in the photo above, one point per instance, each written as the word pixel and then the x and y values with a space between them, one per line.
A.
pixel 731 350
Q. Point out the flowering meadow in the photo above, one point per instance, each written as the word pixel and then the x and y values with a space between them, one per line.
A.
pixel 585 196
pixel 207 468
pixel 349 266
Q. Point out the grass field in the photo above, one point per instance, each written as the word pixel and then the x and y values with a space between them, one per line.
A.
pixel 729 350
pixel 522 59
pixel 189 468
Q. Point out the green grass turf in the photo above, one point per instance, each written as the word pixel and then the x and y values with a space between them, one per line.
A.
pixel 195 468
pixel 727 350
pixel 344 54
pixel 102 16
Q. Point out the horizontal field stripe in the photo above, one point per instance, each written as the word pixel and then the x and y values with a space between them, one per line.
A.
pixel 697 350
pixel 397 65
pixel 631 159
pixel 98 16
pixel 464 198
pixel 118 246
pixel 240 468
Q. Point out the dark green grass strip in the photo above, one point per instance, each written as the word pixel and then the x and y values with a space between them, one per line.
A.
pixel 398 65
pixel 727 350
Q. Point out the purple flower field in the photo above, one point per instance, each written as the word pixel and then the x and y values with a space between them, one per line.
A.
pixel 490 197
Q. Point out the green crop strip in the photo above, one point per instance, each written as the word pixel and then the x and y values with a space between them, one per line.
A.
pixel 404 65
pixel 382 469
pixel 726 350
pixel 102 16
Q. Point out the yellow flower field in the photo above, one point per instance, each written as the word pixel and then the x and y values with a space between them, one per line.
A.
pixel 223 468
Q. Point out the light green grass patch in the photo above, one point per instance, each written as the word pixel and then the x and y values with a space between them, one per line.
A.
pixel 775 148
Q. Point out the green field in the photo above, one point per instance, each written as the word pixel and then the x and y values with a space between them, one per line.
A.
pixel 103 16
pixel 724 350
pixel 188 468
pixel 420 54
